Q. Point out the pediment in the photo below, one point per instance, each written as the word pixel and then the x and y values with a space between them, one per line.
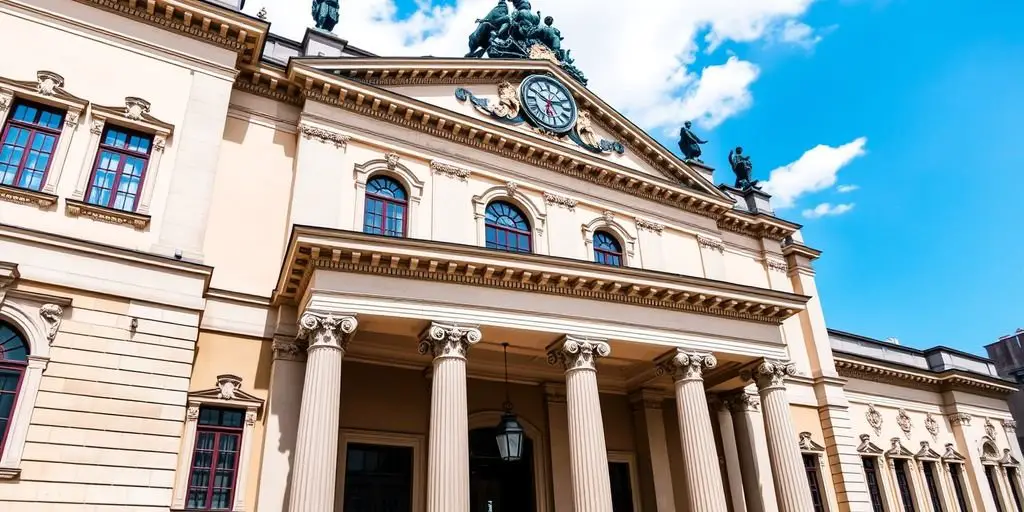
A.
pixel 927 453
pixel 898 451
pixel 867 447
pixel 808 445
pixel 1008 459
pixel 468 89
pixel 951 455
pixel 227 392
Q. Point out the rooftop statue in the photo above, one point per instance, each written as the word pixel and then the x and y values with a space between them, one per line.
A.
pixel 743 168
pixel 325 13
pixel 689 143
pixel 519 34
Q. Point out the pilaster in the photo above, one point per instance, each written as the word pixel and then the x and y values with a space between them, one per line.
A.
pixel 558 435
pixel 282 422
pixel 652 447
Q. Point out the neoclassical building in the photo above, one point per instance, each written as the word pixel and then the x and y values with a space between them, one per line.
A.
pixel 243 273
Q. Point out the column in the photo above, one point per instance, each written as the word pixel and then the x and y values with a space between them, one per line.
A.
pixel 558 438
pixel 791 488
pixel 758 487
pixel 652 447
pixel 314 475
pixel 448 451
pixel 703 477
pixel 588 454
pixel 282 422
pixel 730 448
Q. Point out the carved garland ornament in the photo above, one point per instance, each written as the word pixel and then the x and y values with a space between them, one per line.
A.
pixel 47 83
pixel 324 136
pixel 874 419
pixel 651 226
pixel 450 170
pixel 578 353
pixel 327 331
pixel 686 366
pixel 904 422
pixel 774 264
pixel 563 201
pixel 711 243
pixel 931 425
pixel 52 315
pixel 449 340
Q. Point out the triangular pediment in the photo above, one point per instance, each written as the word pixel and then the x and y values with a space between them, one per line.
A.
pixel 465 93
pixel 898 451
pixel 927 453
pixel 951 455
pixel 867 447
pixel 808 445
pixel 227 391
pixel 1008 459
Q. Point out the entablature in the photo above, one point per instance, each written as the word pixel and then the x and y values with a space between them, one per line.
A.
pixel 854 367
pixel 319 248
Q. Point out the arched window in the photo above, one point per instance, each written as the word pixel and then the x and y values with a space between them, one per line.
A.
pixel 507 228
pixel 386 207
pixel 607 249
pixel 13 361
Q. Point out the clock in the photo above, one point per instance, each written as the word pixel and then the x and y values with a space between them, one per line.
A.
pixel 548 103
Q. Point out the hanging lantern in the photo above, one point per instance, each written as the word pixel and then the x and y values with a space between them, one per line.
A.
pixel 509 433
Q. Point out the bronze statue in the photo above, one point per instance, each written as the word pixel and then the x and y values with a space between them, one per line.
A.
pixel 326 14
pixel 689 143
pixel 743 168
pixel 487 28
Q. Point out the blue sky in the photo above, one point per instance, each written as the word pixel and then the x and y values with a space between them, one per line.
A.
pixel 908 106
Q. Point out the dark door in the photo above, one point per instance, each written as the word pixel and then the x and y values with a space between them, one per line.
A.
pixel 496 485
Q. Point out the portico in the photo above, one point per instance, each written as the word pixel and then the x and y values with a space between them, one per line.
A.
pixel 431 346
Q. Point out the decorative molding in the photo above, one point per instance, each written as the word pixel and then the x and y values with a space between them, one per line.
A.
pixel 96 127
pixel 75 208
pixel 392 160
pixel 442 340
pixel 323 135
pixel 192 414
pixel 71 120
pixel 608 216
pixel 450 170
pixel 770 374
pixel 808 445
pixel 227 392
pixel 52 314
pixel 227 384
pixel 250 418
pixel 904 422
pixel 136 108
pixel 686 366
pixel 559 200
pixel 874 419
pixel 578 353
pixel 27 197
pixel 48 83
pixel 327 331
pixel 990 429
pixel 898 451
pixel 711 243
pixel 855 367
pixel 959 418
pixel 926 453
pixel 289 350
pixel 651 226
pixel 951 455
pixel 159 144
pixel 774 264
pixel 1009 426
pixel 511 188
pixel 867 447
pixel 931 425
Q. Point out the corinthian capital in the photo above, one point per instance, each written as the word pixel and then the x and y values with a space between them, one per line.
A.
pixel 327 330
pixel 741 401
pixel 770 374
pixel 449 340
pixel 577 353
pixel 289 350
pixel 687 365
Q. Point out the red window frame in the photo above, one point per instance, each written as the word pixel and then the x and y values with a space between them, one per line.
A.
pixel 218 432
pixel 387 201
pixel 604 256
pixel 18 367
pixel 517 232
pixel 34 131
pixel 124 152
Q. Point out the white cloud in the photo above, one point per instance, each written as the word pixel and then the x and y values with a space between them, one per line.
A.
pixel 824 209
pixel 800 34
pixel 815 170
pixel 846 189
pixel 638 56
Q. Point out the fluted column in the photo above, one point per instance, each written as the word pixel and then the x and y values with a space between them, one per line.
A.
pixel 702 475
pixel 791 487
pixel 448 452
pixel 588 454
pixel 758 487
pixel 316 445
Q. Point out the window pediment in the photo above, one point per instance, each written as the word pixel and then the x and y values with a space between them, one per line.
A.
pixel 927 453
pixel 808 445
pixel 898 451
pixel 227 392
pixel 47 88
pixel 951 455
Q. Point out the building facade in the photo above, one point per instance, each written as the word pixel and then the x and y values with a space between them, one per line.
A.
pixel 1008 355
pixel 242 273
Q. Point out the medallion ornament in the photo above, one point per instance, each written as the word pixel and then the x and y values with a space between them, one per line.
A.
pixel 904 422
pixel 48 82
pixel 327 331
pixel 770 374
pixel 578 353
pixel 136 108
pixel 227 385
pixel 874 419
pixel 931 425
pixel 684 366
pixel 960 418
pixel 449 340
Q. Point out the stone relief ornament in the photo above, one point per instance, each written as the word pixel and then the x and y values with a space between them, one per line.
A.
pixel 585 137
pixel 159 144
pixel 960 418
pixel 227 385
pixel 576 353
pixel 47 82
pixel 874 419
pixel 250 418
pixel 651 226
pixel 327 331
pixel 392 160
pixel 51 315
pixel 192 414
pixel 711 243
pixel 449 340
pixel 770 374
pixel 559 200
pixel 1009 426
pixel 511 188
pixel 71 120
pixel 931 425
pixel 687 365
pixel 96 127
pixel 507 109
pixel 774 264
pixel 990 429
pixel 289 350
pixel 450 170
pixel 135 108
pixel 324 136
pixel 5 103
pixel 903 421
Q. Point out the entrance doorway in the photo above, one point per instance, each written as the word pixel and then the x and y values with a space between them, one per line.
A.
pixel 496 485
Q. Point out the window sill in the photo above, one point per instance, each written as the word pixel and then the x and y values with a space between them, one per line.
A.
pixel 25 196
pixel 76 208
pixel 8 473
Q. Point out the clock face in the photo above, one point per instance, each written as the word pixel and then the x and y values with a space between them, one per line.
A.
pixel 548 103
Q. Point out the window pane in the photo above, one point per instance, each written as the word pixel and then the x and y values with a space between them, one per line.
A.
pixel 622 487
pixel 378 478
pixel 215 458
pixel 903 484
pixel 12 345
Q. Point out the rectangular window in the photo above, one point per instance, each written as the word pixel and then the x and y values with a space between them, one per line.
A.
pixel 874 489
pixel 10 379
pixel 378 478
pixel 119 170
pixel 211 484
pixel 933 486
pixel 622 486
pixel 958 486
pixel 1011 475
pixel 26 149
pixel 903 483
pixel 990 475
pixel 814 481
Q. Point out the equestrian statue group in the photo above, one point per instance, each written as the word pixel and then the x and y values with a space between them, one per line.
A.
pixel 520 34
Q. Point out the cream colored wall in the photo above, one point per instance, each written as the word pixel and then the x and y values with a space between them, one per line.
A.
pixel 88 47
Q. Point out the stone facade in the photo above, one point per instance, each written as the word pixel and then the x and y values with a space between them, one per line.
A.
pixel 236 305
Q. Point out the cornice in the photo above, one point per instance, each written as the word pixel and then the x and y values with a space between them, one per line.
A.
pixel 318 248
pixel 859 368
pixel 198 20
